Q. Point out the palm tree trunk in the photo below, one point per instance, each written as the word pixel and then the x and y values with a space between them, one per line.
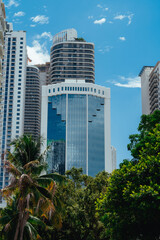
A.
pixel 17 229
pixel 25 218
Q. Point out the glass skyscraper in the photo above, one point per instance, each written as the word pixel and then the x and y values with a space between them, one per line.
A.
pixel 76 126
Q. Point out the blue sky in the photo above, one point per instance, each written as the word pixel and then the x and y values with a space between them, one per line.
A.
pixel 126 37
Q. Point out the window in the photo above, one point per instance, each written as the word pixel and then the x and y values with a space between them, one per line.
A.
pixel 19 88
pixel 17 131
pixel 19 92
pixel 49 90
pixel 18 101
pixel 18 109
pixel 21 38
pixel 95 90
pixel 21 47
pixel 53 89
pixel 18 114
pixel 58 89
pixel 103 92
pixel 18 105
pixel 17 127
pixel 21 42
pixel 17 122
pixel 99 91
pixel 19 84
pixel 18 118
pixel 20 71
pixel 20 59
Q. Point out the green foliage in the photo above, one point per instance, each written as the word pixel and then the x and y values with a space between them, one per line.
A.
pixel 80 39
pixel 32 190
pixel 147 124
pixel 130 207
pixel 79 195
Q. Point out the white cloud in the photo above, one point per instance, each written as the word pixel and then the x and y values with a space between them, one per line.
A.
pixel 130 18
pixel 128 82
pixel 105 49
pixel 38 53
pixel 121 17
pixel 90 17
pixel 99 6
pixel 32 25
pixel 19 14
pixel 106 9
pixel 41 19
pixel 45 35
pixel 101 21
pixel 12 3
pixel 122 38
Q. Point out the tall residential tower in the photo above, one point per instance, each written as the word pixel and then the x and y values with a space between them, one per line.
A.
pixel 71 58
pixel 14 72
pixel 150 88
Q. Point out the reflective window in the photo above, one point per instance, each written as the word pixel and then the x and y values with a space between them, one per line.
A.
pixel 76 139
pixel 56 133
pixel 96 151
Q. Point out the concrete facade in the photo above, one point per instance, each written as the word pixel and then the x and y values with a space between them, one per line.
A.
pixel 150 88
pixel 32 102
pixel 71 58
pixel 14 72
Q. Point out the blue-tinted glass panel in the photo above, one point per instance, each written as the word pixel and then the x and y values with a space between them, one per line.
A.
pixel 96 151
pixel 56 133
pixel 76 131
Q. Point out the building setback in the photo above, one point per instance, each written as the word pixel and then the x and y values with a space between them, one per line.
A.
pixel 14 71
pixel 71 58
pixel 32 102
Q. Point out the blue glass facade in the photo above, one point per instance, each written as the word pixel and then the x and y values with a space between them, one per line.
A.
pixel 77 132
pixel 56 134
pixel 81 117
pixel 96 151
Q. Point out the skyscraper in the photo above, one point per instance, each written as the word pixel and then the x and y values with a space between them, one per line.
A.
pixel 150 88
pixel 2 30
pixel 75 121
pixel 75 113
pixel 32 102
pixel 13 91
pixel 71 58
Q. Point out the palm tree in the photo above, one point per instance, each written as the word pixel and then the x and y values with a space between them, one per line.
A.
pixel 9 219
pixel 34 192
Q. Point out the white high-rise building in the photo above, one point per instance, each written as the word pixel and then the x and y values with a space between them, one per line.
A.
pixel 150 88
pixel 2 30
pixel 145 93
pixel 14 71
pixel 114 158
